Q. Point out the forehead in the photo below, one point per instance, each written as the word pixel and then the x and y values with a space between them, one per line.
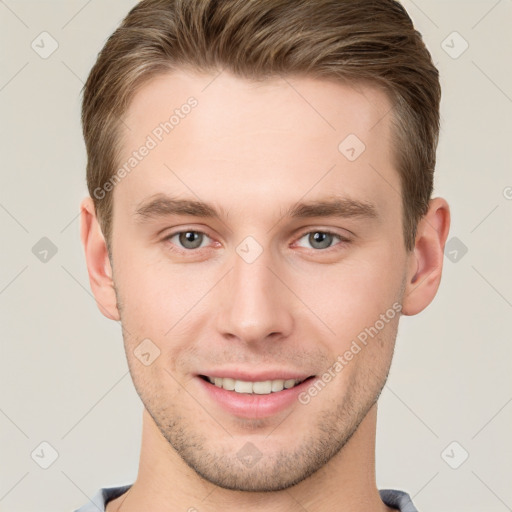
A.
pixel 228 103
pixel 277 139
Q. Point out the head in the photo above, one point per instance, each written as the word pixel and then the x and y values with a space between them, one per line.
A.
pixel 297 140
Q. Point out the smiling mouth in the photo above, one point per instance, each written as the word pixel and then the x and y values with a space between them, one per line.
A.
pixel 265 387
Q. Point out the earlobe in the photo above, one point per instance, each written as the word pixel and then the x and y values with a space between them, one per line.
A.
pixel 98 263
pixel 426 260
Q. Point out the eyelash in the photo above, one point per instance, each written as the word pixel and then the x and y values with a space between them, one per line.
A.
pixel 343 240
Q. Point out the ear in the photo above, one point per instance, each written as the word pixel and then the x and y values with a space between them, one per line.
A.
pixel 98 263
pixel 426 260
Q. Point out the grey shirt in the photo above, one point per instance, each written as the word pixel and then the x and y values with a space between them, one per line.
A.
pixel 391 497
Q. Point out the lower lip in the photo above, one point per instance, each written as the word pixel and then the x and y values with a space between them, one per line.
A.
pixel 254 406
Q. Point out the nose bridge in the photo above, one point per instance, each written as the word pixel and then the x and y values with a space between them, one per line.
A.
pixel 254 303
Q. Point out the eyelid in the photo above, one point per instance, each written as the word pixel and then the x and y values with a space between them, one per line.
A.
pixel 329 231
pixel 343 239
pixel 170 235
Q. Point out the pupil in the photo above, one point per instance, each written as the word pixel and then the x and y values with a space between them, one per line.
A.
pixel 190 239
pixel 320 240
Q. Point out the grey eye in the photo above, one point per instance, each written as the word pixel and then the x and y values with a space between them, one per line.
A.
pixel 320 240
pixel 190 239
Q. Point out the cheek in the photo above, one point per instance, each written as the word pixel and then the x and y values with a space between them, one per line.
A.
pixel 156 293
pixel 162 302
pixel 158 390
pixel 352 295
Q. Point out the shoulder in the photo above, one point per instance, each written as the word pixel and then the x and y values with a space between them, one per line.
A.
pixel 397 499
pixel 99 501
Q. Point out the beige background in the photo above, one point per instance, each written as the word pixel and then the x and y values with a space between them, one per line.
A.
pixel 64 377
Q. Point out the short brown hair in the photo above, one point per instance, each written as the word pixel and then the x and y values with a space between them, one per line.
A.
pixel 358 41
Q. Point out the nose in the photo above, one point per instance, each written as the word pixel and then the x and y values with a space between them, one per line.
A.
pixel 254 303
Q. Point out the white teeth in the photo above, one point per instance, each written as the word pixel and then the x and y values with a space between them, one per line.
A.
pixel 242 386
pixel 262 388
pixel 259 388
pixel 228 384
pixel 277 385
pixel 289 383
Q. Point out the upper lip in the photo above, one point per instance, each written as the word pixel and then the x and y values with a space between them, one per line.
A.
pixel 257 377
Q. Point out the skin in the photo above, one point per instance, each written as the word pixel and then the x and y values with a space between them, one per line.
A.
pixel 253 150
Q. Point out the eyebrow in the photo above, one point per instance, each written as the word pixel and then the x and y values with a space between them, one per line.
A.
pixel 336 207
pixel 162 205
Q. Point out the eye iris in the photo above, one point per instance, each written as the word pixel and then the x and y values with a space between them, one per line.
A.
pixel 190 239
pixel 323 239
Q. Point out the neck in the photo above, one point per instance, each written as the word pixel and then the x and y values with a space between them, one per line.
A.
pixel 166 483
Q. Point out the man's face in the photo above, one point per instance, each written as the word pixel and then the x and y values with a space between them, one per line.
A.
pixel 258 294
